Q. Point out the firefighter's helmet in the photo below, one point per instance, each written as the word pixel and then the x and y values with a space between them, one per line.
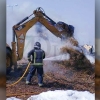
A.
pixel 37 45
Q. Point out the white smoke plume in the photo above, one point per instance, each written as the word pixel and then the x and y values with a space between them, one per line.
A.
pixel 50 43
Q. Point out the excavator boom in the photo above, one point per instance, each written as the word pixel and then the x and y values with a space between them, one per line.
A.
pixel 20 29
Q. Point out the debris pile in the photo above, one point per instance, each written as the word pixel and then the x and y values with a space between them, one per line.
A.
pixel 73 41
pixel 77 60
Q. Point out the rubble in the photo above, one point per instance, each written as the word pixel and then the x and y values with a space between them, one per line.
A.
pixel 77 59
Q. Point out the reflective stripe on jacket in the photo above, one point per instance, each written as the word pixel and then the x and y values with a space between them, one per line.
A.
pixel 37 56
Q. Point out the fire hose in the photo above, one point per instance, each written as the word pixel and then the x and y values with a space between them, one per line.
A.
pixel 20 77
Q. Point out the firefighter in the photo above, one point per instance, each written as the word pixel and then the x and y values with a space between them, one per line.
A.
pixel 36 57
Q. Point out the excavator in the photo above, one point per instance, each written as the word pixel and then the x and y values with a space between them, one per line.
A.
pixel 59 29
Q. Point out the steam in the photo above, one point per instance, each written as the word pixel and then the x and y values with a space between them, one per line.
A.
pixel 50 43
pixel 41 31
pixel 59 57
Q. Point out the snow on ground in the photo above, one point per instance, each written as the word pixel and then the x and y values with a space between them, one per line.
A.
pixel 61 95
pixel 13 98
pixel 91 58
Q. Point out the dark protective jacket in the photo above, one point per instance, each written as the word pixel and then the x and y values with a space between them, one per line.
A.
pixel 36 56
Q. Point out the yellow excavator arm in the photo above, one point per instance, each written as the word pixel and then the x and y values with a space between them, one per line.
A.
pixel 21 28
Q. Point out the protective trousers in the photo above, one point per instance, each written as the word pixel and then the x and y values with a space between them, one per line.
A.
pixel 32 71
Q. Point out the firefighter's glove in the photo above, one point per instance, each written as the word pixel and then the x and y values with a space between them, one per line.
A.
pixel 29 60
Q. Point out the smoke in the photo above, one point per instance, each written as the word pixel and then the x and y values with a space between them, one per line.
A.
pixel 50 43
pixel 38 32
pixel 60 57
pixel 41 31
pixel 49 67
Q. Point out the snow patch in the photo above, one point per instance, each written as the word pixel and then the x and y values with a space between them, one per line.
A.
pixel 13 98
pixel 90 58
pixel 63 95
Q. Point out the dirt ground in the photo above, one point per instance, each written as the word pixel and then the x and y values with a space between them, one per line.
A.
pixel 56 77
